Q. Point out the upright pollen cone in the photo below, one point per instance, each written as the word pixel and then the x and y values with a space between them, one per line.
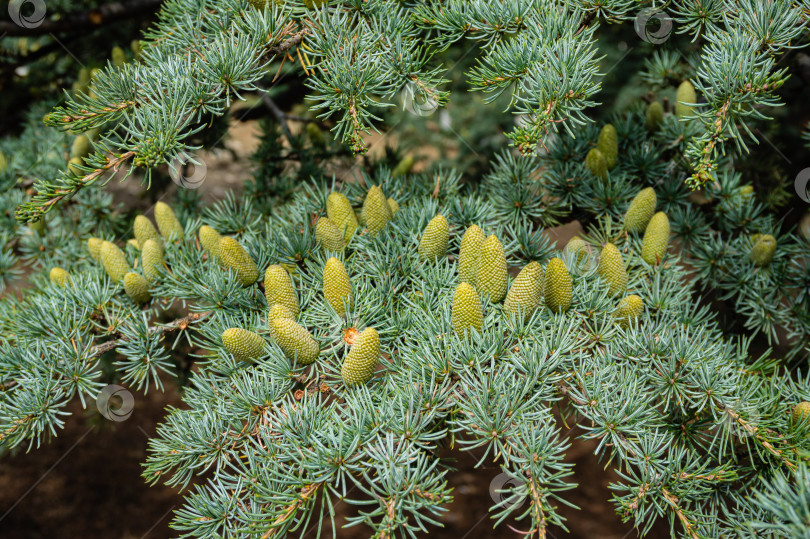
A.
pixel 558 289
pixel 209 239
pixel 340 212
pixel 137 287
pixel 525 293
pixel 686 94
pixel 329 235
pixel 640 211
pixel 470 254
pixel 656 239
pixel 433 244
pixel 612 269
pixel 630 308
pixel 151 259
pixel 235 257
pixel 336 285
pixel 492 274
pixel 608 144
pixel 376 212
pixel 358 367
pixel 595 162
pixel 763 250
pixel 295 341
pixel 278 288
pixel 144 230
pixel 243 345
pixel 467 313
pixel 114 261
pixel 170 227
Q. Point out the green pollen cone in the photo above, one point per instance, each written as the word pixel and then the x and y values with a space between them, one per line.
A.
pixel 686 94
pixel 608 144
pixel 492 278
pixel 38 226
pixel 655 115
pixel 336 285
pixel 243 345
pixel 80 147
pixel 114 261
pixel 577 246
pixel 329 235
pixel 403 167
pixel 278 311
pixel 94 248
pixel 393 206
pixel 433 244
pixel 340 212
pixel 209 239
pixel 376 212
pixel 144 230
pixel 470 253
pixel 763 250
pixel 235 257
pixel 595 162
pixel 278 288
pixel 525 293
pixel 629 309
pixel 558 288
pixel 295 341
pixel 170 227
pixel 151 259
pixel 358 367
pixel 641 210
pixel 466 312
pixel 801 413
pixel 59 276
pixel 612 269
pixel 136 287
pixel 656 239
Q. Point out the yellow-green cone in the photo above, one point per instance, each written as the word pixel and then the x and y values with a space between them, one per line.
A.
pixel 596 163
pixel 136 287
pixel 433 244
pixel 114 261
pixel 59 276
pixel 278 288
pixel 686 94
pixel 133 243
pixel 630 308
pixel 558 288
pixel 655 115
pixel 336 285
pixel 376 212
pixel 656 239
pixel 340 211
pixel 3 162
pixel 746 190
pixel 466 311
pixel 151 259
pixel 94 248
pixel 119 57
pixel 329 235
pixel 608 144
pixel 641 210
pixel 278 311
pixel 403 167
pixel 525 293
pixel 360 362
pixel 295 341
pixel 577 245
pixel 491 278
pixel 470 253
pixel 80 147
pixel 209 239
pixel 170 227
pixel 38 226
pixel 763 250
pixel 393 206
pixel 243 345
pixel 144 230
pixel 801 413
pixel 235 257
pixel 612 270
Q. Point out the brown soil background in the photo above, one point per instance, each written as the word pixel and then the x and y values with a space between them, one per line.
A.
pixel 87 481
